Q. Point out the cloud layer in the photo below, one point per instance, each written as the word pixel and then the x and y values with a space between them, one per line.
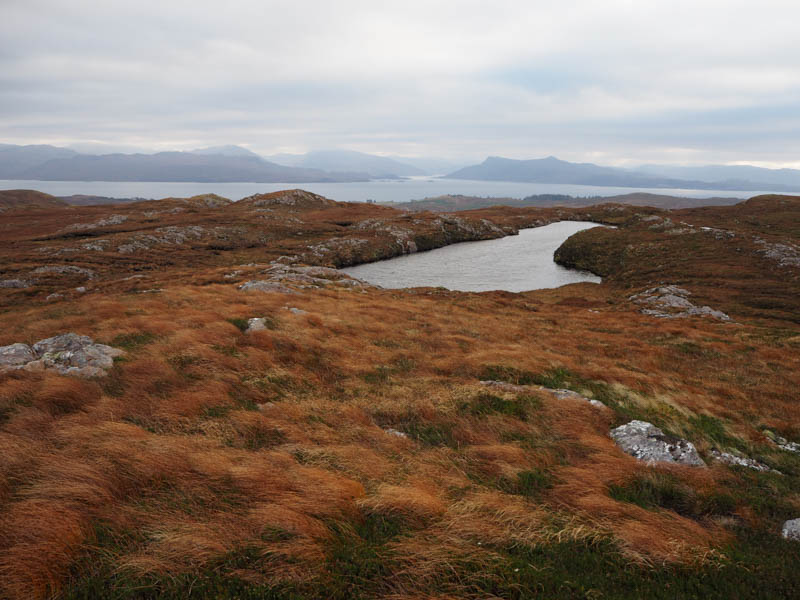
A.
pixel 614 82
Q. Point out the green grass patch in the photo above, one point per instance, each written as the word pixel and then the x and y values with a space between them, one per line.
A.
pixel 432 434
pixel 664 491
pixel 240 323
pixel 133 341
pixel 488 404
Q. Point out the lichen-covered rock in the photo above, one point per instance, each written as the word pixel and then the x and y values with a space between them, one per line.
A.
pixel 68 354
pixel 648 443
pixel 265 286
pixel 739 461
pixel 73 354
pixel 15 356
pixel 782 442
pixel 791 530
pixel 65 270
pixel 256 324
pixel 670 301
pixel 14 283
pixel 561 394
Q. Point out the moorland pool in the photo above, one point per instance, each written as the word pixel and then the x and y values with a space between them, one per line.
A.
pixel 515 263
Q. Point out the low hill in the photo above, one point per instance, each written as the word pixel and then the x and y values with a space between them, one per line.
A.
pixel 451 203
pixel 28 200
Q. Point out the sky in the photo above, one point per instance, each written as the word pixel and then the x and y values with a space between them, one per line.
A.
pixel 617 82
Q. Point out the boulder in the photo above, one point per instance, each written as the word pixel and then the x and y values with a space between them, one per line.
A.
pixel 648 443
pixel 791 530
pixel 69 354
pixel 265 286
pixel 15 356
pixel 14 283
pixel 73 354
pixel 739 461
pixel 670 301
pixel 256 324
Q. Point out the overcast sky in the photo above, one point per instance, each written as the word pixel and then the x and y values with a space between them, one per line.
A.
pixel 612 81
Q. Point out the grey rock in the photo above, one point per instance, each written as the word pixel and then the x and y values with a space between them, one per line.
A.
pixel 561 394
pixel 670 301
pixel 739 461
pixel 648 443
pixel 791 529
pixel 256 324
pixel 297 311
pixel 65 270
pixel 396 433
pixel 68 354
pixel 782 442
pixel 784 254
pixel 14 283
pixel 15 356
pixel 265 286
pixel 73 354
pixel 112 220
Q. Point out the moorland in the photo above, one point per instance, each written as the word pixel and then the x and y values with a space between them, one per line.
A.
pixel 257 425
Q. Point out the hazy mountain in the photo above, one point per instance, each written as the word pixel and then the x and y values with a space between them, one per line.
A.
pixel 17 159
pixel 730 173
pixel 348 160
pixel 177 166
pixel 226 151
pixel 431 166
pixel 553 170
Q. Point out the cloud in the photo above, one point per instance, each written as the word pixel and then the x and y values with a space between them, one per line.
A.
pixel 699 81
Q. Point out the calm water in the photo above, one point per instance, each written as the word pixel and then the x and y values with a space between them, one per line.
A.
pixel 414 188
pixel 516 263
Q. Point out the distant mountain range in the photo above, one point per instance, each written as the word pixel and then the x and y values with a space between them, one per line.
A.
pixel 553 170
pixel 378 167
pixel 237 164
pixel 223 164
pixel 348 160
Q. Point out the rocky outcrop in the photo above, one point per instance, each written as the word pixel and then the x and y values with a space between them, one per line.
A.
pixel 280 276
pixel 68 354
pixel 561 394
pixel 15 356
pixel 791 530
pixel 65 270
pixel 295 199
pixel 265 286
pixel 14 283
pixel 670 301
pixel 739 461
pixel 163 236
pixel 648 443
pixel 108 221
pixel 782 442
pixel 785 255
